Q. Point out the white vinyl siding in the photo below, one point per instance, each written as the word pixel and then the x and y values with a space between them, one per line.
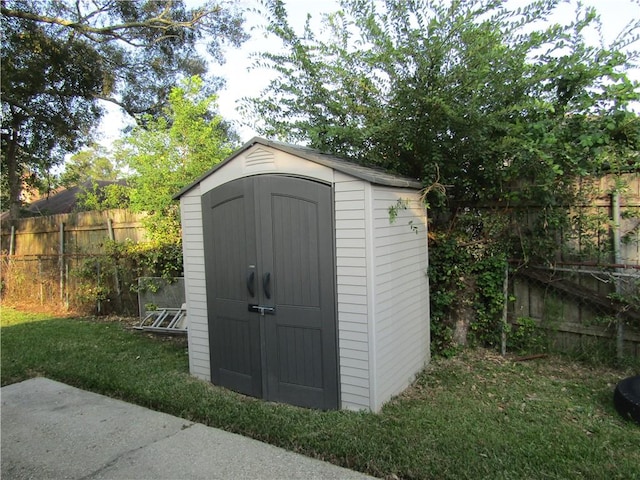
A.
pixel 351 294
pixel 401 291
pixel 195 283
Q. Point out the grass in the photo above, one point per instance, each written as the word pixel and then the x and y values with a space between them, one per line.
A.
pixel 473 416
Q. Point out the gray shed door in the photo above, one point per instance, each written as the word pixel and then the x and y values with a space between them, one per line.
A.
pixel 269 266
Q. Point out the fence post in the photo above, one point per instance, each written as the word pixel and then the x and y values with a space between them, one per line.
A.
pixel 99 302
pixel 41 281
pixel 116 276
pixel 61 262
pixel 12 252
pixel 66 282
pixel 12 241
pixel 505 323
pixel 615 213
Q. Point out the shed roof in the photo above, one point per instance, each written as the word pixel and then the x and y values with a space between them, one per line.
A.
pixel 372 175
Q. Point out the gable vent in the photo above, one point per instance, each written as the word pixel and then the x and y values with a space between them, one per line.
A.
pixel 259 157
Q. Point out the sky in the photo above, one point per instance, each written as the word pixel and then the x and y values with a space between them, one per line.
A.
pixel 240 81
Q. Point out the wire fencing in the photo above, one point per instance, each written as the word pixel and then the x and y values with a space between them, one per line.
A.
pixel 582 309
pixel 579 308
pixel 79 283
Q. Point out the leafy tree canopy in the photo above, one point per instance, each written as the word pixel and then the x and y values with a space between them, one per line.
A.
pixel 501 108
pixel 498 105
pixel 60 57
pixel 93 163
pixel 89 169
pixel 171 151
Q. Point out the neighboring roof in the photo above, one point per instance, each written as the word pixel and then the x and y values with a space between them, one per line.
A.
pixel 62 201
pixel 372 175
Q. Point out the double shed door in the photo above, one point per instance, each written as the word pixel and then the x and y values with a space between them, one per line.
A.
pixel 269 266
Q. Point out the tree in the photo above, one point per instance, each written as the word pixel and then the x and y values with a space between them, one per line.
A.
pixel 498 111
pixel 99 177
pixel 171 151
pixel 498 105
pixel 45 106
pixel 60 58
pixel 93 163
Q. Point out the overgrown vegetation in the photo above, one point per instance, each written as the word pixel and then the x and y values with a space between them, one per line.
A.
pixel 161 157
pixel 164 154
pixel 504 114
pixel 501 109
pixel 498 104
pixel 474 416
pixel 467 268
pixel 102 278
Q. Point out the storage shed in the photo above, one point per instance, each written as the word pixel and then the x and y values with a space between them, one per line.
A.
pixel 301 287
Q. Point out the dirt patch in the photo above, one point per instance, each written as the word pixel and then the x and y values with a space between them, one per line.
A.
pixel 34 307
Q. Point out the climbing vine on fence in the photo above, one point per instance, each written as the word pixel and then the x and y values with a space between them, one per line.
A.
pixel 104 279
pixel 466 286
pixel 468 253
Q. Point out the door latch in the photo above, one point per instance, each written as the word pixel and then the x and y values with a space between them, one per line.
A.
pixel 262 310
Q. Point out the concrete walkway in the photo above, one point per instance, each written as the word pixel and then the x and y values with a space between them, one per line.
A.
pixel 53 431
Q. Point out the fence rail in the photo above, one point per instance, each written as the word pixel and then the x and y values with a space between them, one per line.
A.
pixel 59 261
pixel 77 233
pixel 582 309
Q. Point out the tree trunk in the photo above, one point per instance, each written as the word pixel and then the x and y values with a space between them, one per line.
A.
pixel 13 175
pixel 463 313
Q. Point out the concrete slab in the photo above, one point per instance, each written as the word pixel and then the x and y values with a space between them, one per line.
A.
pixel 51 430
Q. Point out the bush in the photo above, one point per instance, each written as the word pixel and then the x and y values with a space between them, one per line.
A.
pixel 466 285
pixel 105 281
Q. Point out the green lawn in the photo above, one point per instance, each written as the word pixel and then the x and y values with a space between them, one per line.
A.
pixel 474 416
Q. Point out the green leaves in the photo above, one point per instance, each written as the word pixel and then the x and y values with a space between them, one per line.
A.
pixel 60 58
pixel 466 274
pixel 171 151
pixel 471 90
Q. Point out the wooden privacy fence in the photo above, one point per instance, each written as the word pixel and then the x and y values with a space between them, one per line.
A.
pixel 603 222
pixel 575 299
pixel 71 233
pixel 59 260
pixel 577 308
pixel 608 226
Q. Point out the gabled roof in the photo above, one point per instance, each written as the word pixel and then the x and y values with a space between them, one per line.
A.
pixel 372 175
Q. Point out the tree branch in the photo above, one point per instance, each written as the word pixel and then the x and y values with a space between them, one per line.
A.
pixel 118 31
pixel 131 111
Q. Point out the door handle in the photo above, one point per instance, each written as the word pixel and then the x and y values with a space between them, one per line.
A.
pixel 262 310
pixel 266 284
pixel 250 283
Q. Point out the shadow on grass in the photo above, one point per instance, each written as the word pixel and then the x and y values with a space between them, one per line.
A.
pixel 470 417
pixel 95 352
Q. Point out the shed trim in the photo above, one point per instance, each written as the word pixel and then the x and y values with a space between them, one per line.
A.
pixel 372 175
pixel 371 307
